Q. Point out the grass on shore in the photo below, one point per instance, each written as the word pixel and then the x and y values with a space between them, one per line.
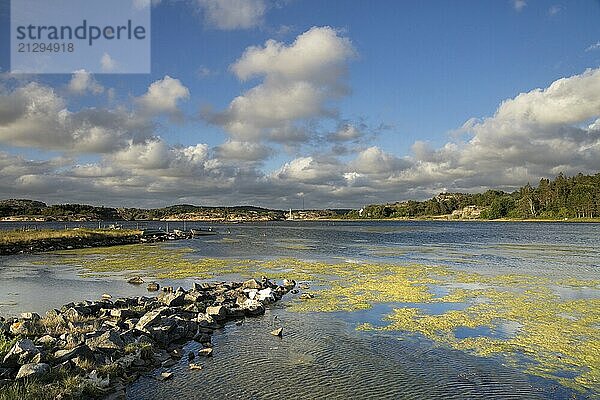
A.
pixel 59 384
pixel 6 344
pixel 18 237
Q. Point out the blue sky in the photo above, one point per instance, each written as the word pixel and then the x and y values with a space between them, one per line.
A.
pixel 407 72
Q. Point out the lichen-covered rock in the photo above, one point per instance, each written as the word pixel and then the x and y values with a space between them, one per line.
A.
pixel 164 331
pixel 235 312
pixel 194 296
pixel 205 321
pixel 27 327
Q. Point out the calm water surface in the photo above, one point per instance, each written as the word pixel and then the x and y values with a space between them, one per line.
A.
pixel 321 354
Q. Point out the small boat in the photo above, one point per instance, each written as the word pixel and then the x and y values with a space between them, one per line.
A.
pixel 153 232
pixel 203 232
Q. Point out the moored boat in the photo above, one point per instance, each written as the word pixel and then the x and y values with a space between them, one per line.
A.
pixel 203 231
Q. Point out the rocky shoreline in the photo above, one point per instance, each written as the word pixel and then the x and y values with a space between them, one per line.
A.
pixel 104 345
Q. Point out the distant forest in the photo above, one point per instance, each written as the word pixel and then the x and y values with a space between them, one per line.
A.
pixel 563 197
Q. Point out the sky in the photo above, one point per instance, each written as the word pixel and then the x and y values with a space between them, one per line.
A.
pixel 334 103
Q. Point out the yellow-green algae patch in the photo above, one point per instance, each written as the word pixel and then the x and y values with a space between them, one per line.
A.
pixel 556 337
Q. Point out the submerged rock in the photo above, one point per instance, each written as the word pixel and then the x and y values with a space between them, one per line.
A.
pixel 164 376
pixel 207 352
pixel 277 332
pixel 136 280
pixel 153 287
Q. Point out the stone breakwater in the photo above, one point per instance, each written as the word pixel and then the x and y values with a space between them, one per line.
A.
pixel 79 242
pixel 110 343
pixel 52 244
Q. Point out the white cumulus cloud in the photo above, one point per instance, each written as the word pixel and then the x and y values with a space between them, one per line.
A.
pixel 233 14
pixel 299 80
pixel 163 96
pixel 82 82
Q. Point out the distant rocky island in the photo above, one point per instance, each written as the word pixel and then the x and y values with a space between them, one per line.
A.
pixel 30 210
pixel 571 198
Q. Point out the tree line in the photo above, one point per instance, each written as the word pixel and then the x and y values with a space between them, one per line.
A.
pixel 563 197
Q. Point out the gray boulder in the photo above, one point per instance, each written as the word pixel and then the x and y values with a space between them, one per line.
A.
pixel 33 370
pixel 252 284
pixel 206 322
pixel 253 308
pixel 289 284
pixel 82 352
pixel 30 316
pixel 122 313
pixel 47 341
pixel 108 341
pixel 151 317
pixel 21 353
pixel 217 312
pixel 27 327
pixel 165 331
pixel 176 299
